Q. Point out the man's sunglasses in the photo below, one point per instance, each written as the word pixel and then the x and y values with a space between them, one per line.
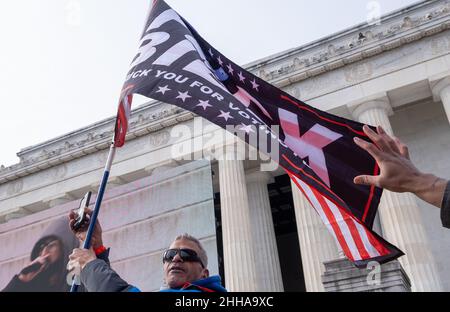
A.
pixel 187 255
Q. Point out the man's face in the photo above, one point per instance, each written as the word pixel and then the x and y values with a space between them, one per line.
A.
pixel 178 272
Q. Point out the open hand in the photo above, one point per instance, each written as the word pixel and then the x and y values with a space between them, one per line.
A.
pixel 396 169
pixel 397 172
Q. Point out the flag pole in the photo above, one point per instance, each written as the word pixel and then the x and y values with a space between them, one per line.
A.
pixel 98 202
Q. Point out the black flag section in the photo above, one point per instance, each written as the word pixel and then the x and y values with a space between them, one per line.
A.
pixel 177 66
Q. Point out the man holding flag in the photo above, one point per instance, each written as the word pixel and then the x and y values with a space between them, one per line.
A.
pixel 175 65
pixel 185 267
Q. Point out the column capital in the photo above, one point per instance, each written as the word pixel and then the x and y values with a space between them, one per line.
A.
pixel 375 103
pixel 234 151
pixel 437 86
pixel 258 176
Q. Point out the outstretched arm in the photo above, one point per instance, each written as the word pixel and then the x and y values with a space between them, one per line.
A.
pixel 398 173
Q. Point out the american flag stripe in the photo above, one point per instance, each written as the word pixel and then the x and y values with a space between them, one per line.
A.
pixel 370 246
pixel 348 227
pixel 314 203
pixel 357 242
pixel 326 218
pixel 342 231
pixel 123 115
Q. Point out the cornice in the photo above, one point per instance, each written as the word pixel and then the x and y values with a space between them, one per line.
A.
pixel 399 28
pixel 146 119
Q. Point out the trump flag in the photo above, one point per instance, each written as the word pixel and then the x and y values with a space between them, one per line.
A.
pixel 175 65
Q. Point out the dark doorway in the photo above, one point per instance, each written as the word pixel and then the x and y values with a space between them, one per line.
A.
pixel 283 213
pixel 219 236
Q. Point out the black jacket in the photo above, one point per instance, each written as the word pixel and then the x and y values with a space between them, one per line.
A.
pixel 445 208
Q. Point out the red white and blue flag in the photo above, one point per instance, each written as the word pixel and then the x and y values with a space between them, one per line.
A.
pixel 176 65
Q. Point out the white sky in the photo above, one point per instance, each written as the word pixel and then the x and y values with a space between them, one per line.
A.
pixel 63 62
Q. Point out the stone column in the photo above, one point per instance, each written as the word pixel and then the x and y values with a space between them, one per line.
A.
pixel 399 214
pixel 268 270
pixel 317 245
pixel 239 259
pixel 441 92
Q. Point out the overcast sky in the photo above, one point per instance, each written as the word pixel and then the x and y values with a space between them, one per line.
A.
pixel 63 62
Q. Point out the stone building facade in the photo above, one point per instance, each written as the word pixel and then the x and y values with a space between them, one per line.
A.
pixel 260 233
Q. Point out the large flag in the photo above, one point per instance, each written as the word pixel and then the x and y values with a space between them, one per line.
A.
pixel 316 149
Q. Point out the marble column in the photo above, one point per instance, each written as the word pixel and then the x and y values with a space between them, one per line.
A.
pixel 399 214
pixel 268 270
pixel 317 245
pixel 239 259
pixel 441 92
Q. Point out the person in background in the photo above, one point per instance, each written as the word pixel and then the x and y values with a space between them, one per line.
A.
pixel 46 271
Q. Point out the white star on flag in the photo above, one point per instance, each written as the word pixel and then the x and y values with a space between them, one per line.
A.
pixel 204 104
pixel 254 84
pixel 247 128
pixel 225 115
pixel 220 61
pixel 183 96
pixel 230 69
pixel 241 77
pixel 163 90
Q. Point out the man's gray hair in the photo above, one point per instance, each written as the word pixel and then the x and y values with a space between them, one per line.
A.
pixel 202 253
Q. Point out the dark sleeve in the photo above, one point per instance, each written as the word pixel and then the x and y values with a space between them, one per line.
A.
pixel 445 208
pixel 16 285
pixel 97 276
